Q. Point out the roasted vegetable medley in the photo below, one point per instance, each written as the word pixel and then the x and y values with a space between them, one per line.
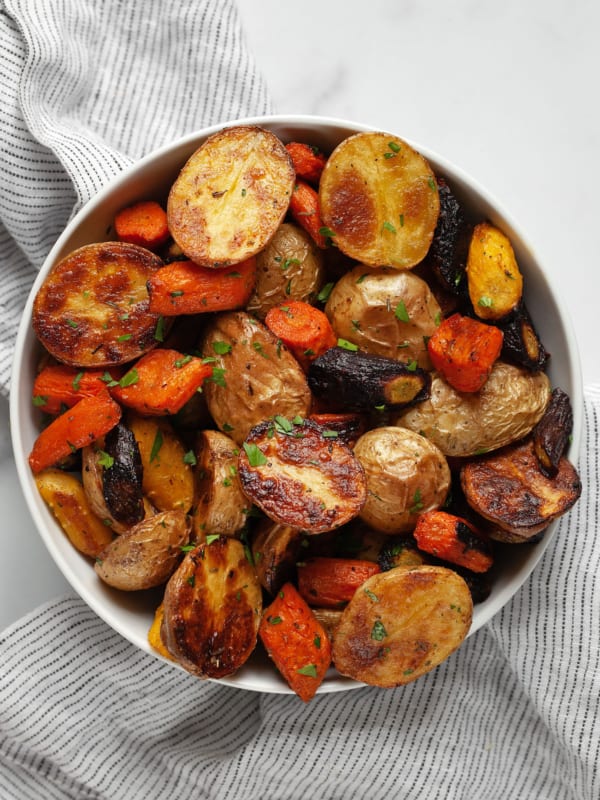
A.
pixel 302 400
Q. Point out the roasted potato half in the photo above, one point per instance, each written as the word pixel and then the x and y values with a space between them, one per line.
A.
pixel 147 555
pixel 385 312
pixel 275 550
pixel 406 475
pixel 230 196
pixel 289 268
pixel 401 624
pixel 220 503
pixel 494 280
pixel 65 497
pixel 212 609
pixel 92 309
pixel 254 376
pixel 379 198
pixel 510 404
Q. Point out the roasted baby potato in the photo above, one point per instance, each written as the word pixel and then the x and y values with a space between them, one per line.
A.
pixel 510 404
pixel 401 624
pixel 147 555
pixel 301 477
pixel 551 434
pixel 93 459
pixel 212 609
pixel 167 478
pixel 254 376
pixel 66 499
pixel 220 503
pixel 275 550
pixel 494 280
pixel 379 199
pixel 230 196
pixel 509 489
pixel 406 475
pixel 289 268
pixel 385 312
pixel 92 309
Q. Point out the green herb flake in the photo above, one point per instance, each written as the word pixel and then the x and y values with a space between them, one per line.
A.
pixel 417 503
pixel 288 262
pixel 438 319
pixel 327 232
pixel 401 220
pixel 128 379
pixel 394 147
pixel 259 349
pixel 274 620
pixel 317 642
pixel 401 313
pixel 177 293
pixel 346 345
pixel 330 434
pixel 298 420
pixel 323 295
pixel 190 458
pixel 226 482
pixel 243 193
pixel 362 277
pixel 212 537
pixel 186 548
pixel 282 424
pixel 218 376
pixel 288 288
pixel 355 324
pixel 371 595
pixel 227 428
pixel 221 348
pixel 125 337
pixel 412 366
pixel 256 457
pixel 432 184
pixel 181 362
pixel 310 670
pixel 387 226
pixel 77 381
pixel 192 580
pixel 72 324
pixel 159 331
pixel 156 445
pixel 105 459
pixel 485 302
pixel 39 400
pixel 378 632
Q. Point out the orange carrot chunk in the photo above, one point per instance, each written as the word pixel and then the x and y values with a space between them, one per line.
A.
pixel 304 329
pixel 57 386
pixel 453 539
pixel 464 350
pixel 331 582
pixel 308 161
pixel 304 208
pixel 296 641
pixel 161 382
pixel 184 287
pixel 81 425
pixel 144 223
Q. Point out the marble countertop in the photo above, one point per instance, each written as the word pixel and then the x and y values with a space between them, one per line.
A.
pixel 506 91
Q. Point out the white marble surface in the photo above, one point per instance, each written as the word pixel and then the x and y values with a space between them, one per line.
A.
pixel 508 91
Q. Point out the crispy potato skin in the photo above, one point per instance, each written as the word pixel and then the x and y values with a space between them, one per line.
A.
pixel 401 624
pixel 212 610
pixel 406 475
pixel 380 199
pixel 92 309
pixel 510 404
pixel 509 489
pixel 147 555
pixel 65 497
pixel 307 481
pixel 362 309
pixel 230 196
pixel 289 268
pixel 220 501
pixel 261 376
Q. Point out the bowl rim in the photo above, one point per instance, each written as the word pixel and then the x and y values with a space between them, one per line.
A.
pixel 194 138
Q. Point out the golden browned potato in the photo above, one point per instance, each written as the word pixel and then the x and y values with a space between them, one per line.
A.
pixel 275 550
pixel 66 499
pixel 221 504
pixel 329 619
pixel 289 268
pixel 301 477
pixel 147 555
pixel 231 196
pixel 401 624
pixel 406 475
pixel 510 404
pixel 212 609
pixel 509 489
pixel 494 279
pixel 92 309
pixel 255 376
pixel 168 478
pixel 385 312
pixel 379 198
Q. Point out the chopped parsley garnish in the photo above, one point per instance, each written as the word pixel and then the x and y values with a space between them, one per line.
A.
pixel 227 428
pixel 259 349
pixel 159 333
pixel 323 295
pixel 389 227
pixel 330 434
pixel 128 379
pixel 218 376
pixel 401 313
pixel 378 632
pixel 125 337
pixel 256 457
pixel 39 400
pixel 190 458
pixel 181 362
pixel 77 381
pixel 371 595
pixel 346 345
pixel 177 293
pixel 274 620
pixel 412 366
pixel 156 445
pixel 309 669
pixel 362 277
pixel 485 302
pixel 282 424
pixel 105 459
pixel 212 537
pixel 417 503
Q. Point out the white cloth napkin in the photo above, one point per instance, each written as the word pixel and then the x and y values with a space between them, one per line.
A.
pixel 514 713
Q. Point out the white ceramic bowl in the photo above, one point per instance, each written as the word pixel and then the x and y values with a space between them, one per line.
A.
pixel 131 613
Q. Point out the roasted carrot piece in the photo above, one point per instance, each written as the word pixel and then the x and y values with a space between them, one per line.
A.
pixel 144 223
pixel 296 641
pixel 57 386
pixel 453 539
pixel 184 287
pixel 331 582
pixel 161 382
pixel 464 351
pixel 304 329
pixel 90 418
pixel 304 208
pixel 308 161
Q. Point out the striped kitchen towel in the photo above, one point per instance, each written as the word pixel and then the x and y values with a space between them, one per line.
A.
pixel 514 714
pixel 87 87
